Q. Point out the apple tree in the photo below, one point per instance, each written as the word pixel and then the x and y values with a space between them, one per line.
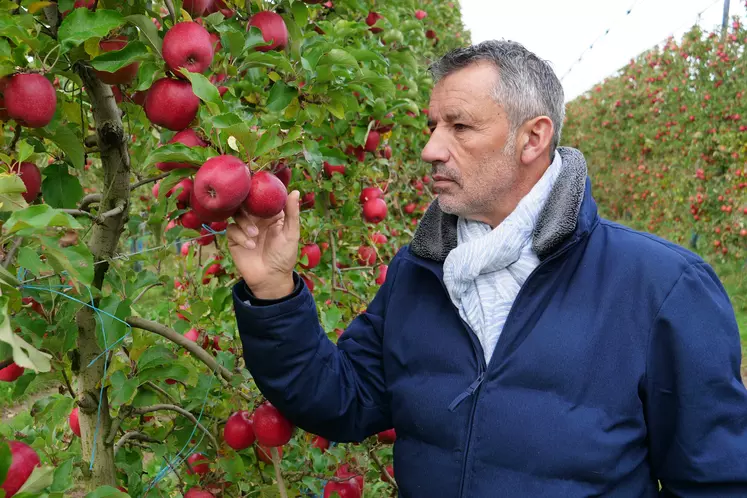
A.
pixel 132 131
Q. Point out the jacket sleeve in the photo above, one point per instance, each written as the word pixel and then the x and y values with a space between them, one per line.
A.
pixel 696 403
pixel 333 390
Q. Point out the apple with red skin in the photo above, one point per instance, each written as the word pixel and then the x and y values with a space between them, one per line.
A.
pixel 207 238
pixel 320 442
pixel 273 30
pixel 190 138
pixel 238 431
pixel 23 459
pixel 387 152
pixel 186 186
pixel 374 210
pixel 330 169
pixel 123 76
pixel 381 275
pixel 198 493
pixel 390 471
pixel 283 172
pixel 344 471
pixel 371 20
pixel 196 8
pixel 369 193
pixel 267 195
pixel 378 238
pixel 207 216
pixel 314 255
pixel 220 6
pixel 187 45
pixel 308 200
pixel 410 208
pixel 420 15
pixel 11 373
pixel 270 426
pixel 387 437
pixel 171 103
pixel 222 184
pixel 34 305
pixel 74 421
pixel 344 489
pixel 264 453
pixel 372 142
pixel 198 468
pixel 192 334
pixel 430 34
pixel 31 177
pixel 309 283
pixel 30 99
pixel 366 255
pixel 190 220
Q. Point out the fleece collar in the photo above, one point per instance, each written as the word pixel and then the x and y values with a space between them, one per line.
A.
pixel 569 209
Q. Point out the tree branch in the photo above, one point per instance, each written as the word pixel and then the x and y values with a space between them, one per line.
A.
pixel 142 292
pixel 133 435
pixel 91 141
pixel 278 472
pixel 118 209
pixel 148 180
pixel 12 252
pixel 88 200
pixel 333 245
pixel 182 411
pixel 357 296
pixel 382 469
pixel 67 382
pixel 160 391
pixel 78 212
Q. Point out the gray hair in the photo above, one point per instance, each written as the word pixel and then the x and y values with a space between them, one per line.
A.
pixel 527 85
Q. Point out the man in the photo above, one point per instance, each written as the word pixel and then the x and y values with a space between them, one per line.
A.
pixel 521 346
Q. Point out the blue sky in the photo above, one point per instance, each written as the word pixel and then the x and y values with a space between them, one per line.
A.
pixel 560 30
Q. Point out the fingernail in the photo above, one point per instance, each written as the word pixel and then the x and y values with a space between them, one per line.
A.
pixel 250 244
pixel 252 231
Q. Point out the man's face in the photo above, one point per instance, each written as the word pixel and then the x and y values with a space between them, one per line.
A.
pixel 473 156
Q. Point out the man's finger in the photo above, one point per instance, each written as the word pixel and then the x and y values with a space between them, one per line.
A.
pixel 236 235
pixel 292 224
pixel 246 222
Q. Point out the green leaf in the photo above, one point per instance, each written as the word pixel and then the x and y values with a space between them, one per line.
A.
pixel 114 329
pixel 67 140
pixel 254 38
pixel 155 356
pixel 61 189
pixel 76 260
pixel 203 88
pixel 178 153
pixel 29 259
pixel 11 188
pixel 300 13
pixel 22 384
pixel 275 60
pixel 226 120
pixel 148 30
pixel 123 389
pixel 338 57
pixel 40 217
pixel 82 24
pixel 24 354
pixel 42 477
pixel 268 141
pixel 107 492
pixel 63 476
pixel 117 59
pixel 280 96
pixel 5 459
pixel 367 56
pixel 25 150
pixel 381 84
pixel 171 371
pixel 146 75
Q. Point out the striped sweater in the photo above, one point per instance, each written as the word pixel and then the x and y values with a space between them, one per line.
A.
pixel 486 270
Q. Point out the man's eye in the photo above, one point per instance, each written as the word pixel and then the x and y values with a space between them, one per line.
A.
pixel 460 127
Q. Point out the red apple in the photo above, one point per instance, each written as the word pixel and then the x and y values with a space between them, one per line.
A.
pixel 366 255
pixel 198 493
pixel 420 15
pixel 31 177
pixel 378 238
pixel 369 193
pixel 192 334
pixel 320 442
pixel 188 137
pixel 387 437
pixel 239 432
pixel 23 459
pixel 196 8
pixel 117 93
pixel 313 253
pixel 344 471
pixel 329 169
pixel 410 208
pixel 308 200
pixel 387 152
pixel 345 489
pixel 267 195
pixel 186 186
pixel 273 30
pixel 74 421
pixel 199 468
pixel 430 34
pixel 171 103
pixel 190 220
pixel 31 100
pixel 123 76
pixel 187 45
pixel 309 283
pixel 372 142
pixel 374 210
pixel 390 471
pixel 11 373
pixel 222 184
pixel 282 171
pixel 219 226
pixel 270 426
pixel 207 237
pixel 371 21
pixel 264 453
pixel 381 275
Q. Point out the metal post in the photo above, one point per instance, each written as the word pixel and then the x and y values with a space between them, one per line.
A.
pixel 725 21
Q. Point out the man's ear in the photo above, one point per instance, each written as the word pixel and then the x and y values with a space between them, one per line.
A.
pixel 536 138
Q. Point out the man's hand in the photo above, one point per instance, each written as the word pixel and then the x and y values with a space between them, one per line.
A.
pixel 265 251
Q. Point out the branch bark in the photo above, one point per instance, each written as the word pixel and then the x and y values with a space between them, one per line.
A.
pixel 133 435
pixel 88 200
pixel 142 292
pixel 382 469
pixel 78 212
pixel 160 391
pixel 146 181
pixel 105 235
pixel 12 252
pixel 182 411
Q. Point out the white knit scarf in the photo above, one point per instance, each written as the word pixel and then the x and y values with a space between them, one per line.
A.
pixel 486 270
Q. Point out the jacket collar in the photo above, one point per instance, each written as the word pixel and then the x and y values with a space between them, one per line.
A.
pixel 570 213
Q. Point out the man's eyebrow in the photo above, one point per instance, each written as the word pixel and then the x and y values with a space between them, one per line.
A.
pixel 450 116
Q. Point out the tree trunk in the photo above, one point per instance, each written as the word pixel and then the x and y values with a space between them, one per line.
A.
pixel 103 243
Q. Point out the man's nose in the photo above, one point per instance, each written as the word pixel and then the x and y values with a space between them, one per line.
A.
pixel 436 149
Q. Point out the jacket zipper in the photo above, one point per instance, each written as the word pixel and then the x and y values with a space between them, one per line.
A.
pixel 474 388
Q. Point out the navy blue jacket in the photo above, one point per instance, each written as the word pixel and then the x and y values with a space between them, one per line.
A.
pixel 617 368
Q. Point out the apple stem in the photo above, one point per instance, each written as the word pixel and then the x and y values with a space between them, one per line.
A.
pixel 278 474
